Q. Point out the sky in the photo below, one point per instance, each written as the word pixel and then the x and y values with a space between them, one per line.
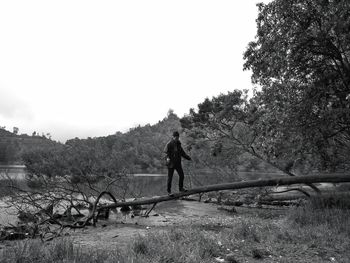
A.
pixel 92 68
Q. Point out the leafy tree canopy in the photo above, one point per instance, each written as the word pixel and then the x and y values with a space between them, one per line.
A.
pixel 300 58
pixel 300 113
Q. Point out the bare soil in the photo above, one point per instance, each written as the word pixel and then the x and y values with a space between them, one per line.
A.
pixel 121 228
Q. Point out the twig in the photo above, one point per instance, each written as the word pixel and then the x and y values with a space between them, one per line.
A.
pixel 149 211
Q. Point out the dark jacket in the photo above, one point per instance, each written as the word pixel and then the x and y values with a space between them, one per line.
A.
pixel 173 151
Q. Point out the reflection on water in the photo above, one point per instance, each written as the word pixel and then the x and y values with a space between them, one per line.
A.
pixel 12 171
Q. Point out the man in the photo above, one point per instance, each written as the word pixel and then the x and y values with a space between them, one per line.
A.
pixel 174 152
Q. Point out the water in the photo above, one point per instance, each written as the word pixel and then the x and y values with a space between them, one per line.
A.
pixel 12 171
pixel 138 185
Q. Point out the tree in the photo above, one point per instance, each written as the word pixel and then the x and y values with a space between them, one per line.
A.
pixel 234 127
pixel 71 178
pixel 300 58
pixel 15 130
pixel 225 122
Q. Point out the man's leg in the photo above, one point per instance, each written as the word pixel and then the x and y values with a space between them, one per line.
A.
pixel 170 178
pixel 181 177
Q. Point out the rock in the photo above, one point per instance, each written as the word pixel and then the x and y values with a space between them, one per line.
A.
pixel 230 258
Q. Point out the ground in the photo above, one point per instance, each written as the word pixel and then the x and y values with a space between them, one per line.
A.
pixel 249 244
pixel 121 228
pixel 247 233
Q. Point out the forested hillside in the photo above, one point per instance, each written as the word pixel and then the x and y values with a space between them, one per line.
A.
pixel 140 150
pixel 12 146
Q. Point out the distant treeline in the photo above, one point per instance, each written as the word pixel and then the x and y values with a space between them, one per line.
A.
pixel 12 145
pixel 138 150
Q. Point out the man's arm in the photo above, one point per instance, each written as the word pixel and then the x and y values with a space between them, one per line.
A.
pixel 184 155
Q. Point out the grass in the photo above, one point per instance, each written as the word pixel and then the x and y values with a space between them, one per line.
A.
pixel 330 211
pixel 59 250
pixel 319 231
pixel 185 245
pixel 173 246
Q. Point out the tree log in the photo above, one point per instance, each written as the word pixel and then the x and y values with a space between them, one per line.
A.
pixel 237 185
pixel 293 189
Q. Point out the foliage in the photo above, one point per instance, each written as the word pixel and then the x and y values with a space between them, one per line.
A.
pixel 138 150
pixel 12 145
pixel 300 118
pixel 300 58
pixel 229 125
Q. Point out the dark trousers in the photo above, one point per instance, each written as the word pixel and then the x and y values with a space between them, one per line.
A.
pixel 180 172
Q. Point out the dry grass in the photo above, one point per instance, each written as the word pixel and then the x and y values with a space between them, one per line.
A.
pixel 176 245
pixel 59 250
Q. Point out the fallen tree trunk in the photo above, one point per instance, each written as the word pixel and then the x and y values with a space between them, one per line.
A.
pixel 236 185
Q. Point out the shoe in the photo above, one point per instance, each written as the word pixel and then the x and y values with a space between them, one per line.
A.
pixel 170 194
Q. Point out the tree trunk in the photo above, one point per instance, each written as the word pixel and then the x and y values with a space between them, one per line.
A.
pixel 237 185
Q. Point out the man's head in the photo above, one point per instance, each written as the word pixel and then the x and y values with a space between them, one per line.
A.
pixel 176 135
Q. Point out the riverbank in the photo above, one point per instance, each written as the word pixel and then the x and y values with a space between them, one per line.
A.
pixel 191 231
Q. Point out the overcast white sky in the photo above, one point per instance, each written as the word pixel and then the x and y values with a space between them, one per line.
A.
pixel 91 68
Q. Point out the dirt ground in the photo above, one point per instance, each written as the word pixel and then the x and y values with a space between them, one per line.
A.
pixel 121 228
